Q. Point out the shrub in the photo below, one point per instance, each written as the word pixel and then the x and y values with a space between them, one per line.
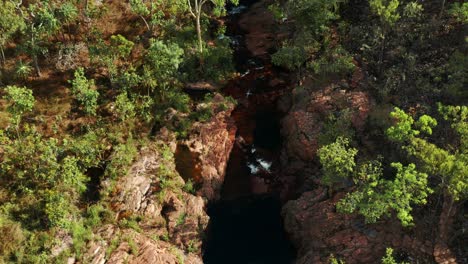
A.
pixel 337 161
pixel 84 92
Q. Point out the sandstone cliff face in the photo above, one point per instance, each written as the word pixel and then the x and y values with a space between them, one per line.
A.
pixel 210 144
pixel 171 221
pixel 151 191
pixel 303 125
pixel 318 230
pixel 311 220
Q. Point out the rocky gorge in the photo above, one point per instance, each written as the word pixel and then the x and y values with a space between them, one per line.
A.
pixel 258 197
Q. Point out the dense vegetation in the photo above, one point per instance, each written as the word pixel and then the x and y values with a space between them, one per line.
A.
pixel 414 56
pixel 85 84
pixel 81 91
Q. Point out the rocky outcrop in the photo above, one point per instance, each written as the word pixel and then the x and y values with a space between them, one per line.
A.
pixel 156 222
pixel 260 26
pixel 304 123
pixel 210 144
pixel 134 247
pixel 318 230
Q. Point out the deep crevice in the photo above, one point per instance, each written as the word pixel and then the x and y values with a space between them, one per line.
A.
pixel 246 224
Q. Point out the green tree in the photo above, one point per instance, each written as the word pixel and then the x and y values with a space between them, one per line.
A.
pixel 148 9
pixel 197 10
pixel 42 176
pixel 387 10
pixel 10 23
pixel 67 13
pixel 84 92
pixel 41 23
pixel 314 42
pixel 21 100
pixel 337 161
pixel 375 196
pixel 124 107
pixel 388 258
pixel 161 64
pixel 449 163
pixel 460 12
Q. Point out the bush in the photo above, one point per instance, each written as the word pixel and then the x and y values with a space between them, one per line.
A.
pixel 337 161
pixel 84 92
pixel 124 108
pixel 216 64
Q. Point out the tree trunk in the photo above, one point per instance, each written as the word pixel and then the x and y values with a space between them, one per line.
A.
pixel 442 9
pixel 199 34
pixel 146 23
pixel 442 252
pixel 36 66
pixel 3 55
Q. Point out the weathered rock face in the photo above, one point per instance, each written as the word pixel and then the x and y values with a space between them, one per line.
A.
pixel 261 30
pixel 152 191
pixel 210 144
pixel 318 230
pixel 304 122
pixel 134 248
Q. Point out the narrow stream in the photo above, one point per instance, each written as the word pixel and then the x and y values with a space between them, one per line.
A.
pixel 245 224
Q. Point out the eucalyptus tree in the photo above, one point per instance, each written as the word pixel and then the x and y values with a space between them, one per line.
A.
pixel 197 9
pixel 11 22
pixel 446 161
pixel 373 195
pixel 41 23
pixel 21 101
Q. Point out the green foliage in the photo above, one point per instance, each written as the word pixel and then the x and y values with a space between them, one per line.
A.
pixel 42 177
pixel 124 108
pixel 388 258
pixel 22 70
pixel 387 10
pixel 425 124
pixel 451 166
pixel 333 260
pixel 67 13
pixel 139 7
pixel 413 10
pixel 217 64
pixel 120 160
pixel 337 161
pixel 335 126
pixel 333 60
pixel 189 187
pixel 290 57
pixel 161 64
pixel 120 46
pixel 315 43
pixel 84 92
pixel 402 130
pixel 376 196
pixel 21 100
pixel 10 23
pixel 459 11
pixel 196 10
pixel 57 209
pixel 314 15
pixel 148 10
pixel 181 219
